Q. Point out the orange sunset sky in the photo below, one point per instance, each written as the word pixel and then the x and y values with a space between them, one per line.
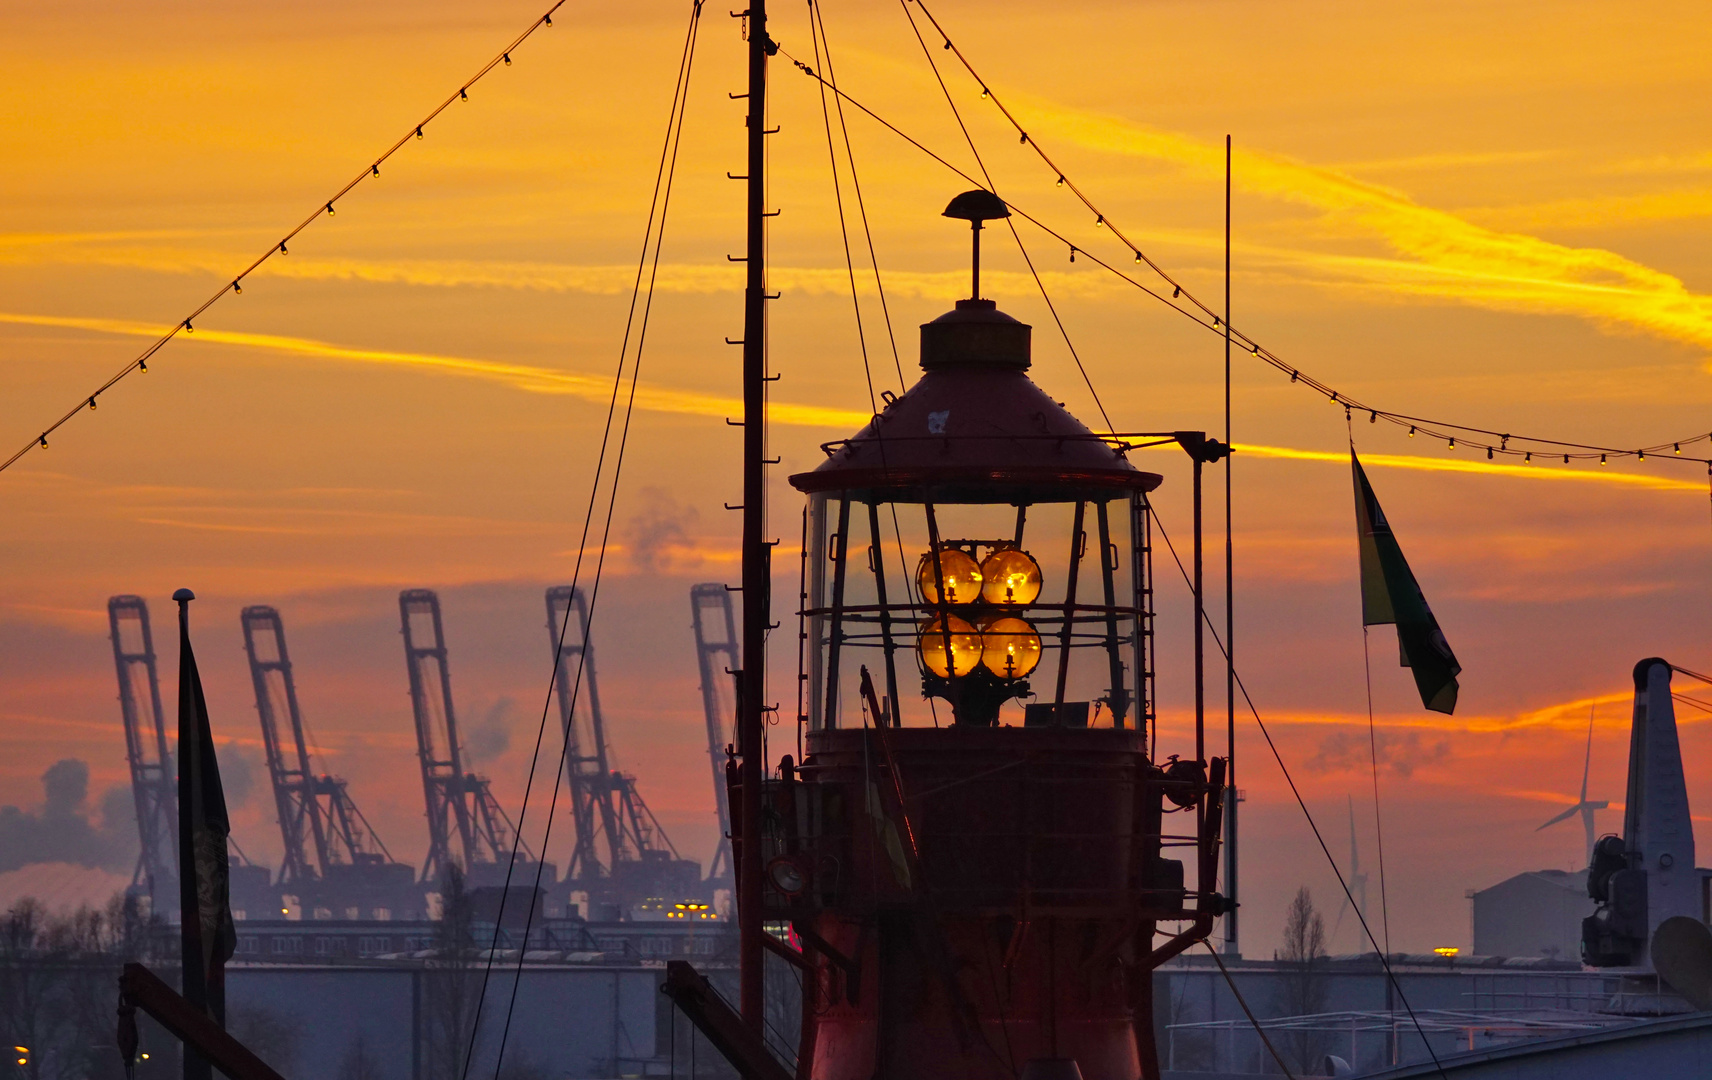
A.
pixel 1493 212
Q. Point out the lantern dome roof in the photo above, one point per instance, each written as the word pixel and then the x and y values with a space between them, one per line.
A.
pixel 976 429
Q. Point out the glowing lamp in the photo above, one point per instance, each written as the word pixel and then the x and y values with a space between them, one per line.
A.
pixel 1010 577
pixel 962 577
pixel 952 635
pixel 1010 647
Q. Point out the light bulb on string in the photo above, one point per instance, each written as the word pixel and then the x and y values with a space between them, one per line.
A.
pixel 143 366
pixel 418 131
pixel 1176 290
pixel 44 440
pixel 376 168
pixel 237 286
pixel 1373 417
pixel 1453 442
pixel 1488 453
pixel 1411 431
pixel 1679 448
pixel 463 93
pixel 1100 221
pixel 282 249
pixel 1294 375
pixel 1566 459
pixel 188 328
pixel 985 93
pixel 1528 458
pixel 92 401
pixel 507 59
pixel 1640 455
pixel 330 210
pixel 1060 181
pixel 1138 256
pixel 1601 459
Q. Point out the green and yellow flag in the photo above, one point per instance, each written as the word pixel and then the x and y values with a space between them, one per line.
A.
pixel 1390 594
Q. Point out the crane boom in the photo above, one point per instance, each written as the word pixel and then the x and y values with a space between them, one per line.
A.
pixel 153 784
pixel 332 854
pixel 461 807
pixel 718 658
pixel 301 826
pixel 594 813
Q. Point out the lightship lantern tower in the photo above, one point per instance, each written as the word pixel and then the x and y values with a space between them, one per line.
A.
pixel 978 855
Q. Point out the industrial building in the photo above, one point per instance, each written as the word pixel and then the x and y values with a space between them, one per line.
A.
pixel 1538 913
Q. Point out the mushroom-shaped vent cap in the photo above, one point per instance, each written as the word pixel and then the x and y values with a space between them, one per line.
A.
pixel 978 205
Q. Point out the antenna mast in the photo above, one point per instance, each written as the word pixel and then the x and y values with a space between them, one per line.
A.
pixel 757 553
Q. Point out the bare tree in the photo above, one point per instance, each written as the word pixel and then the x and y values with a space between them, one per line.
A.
pixel 451 983
pixel 1302 989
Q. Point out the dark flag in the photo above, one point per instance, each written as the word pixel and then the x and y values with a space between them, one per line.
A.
pixel 204 873
pixel 1390 594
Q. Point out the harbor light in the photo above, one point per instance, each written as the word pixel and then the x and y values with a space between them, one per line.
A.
pixel 963 577
pixel 949 634
pixel 1010 577
pixel 1010 647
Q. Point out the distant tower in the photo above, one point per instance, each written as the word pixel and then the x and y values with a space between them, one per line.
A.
pixel 1647 875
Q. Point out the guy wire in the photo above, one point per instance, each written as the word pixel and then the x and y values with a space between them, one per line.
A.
pixel 1384 958
pixel 662 179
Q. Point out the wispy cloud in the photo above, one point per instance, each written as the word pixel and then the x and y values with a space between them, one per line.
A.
pixel 527 377
pixel 104 249
pixel 1446 256
pixel 1530 472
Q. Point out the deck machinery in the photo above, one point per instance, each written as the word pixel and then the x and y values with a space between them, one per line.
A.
pixel 982 876
pixel 333 863
pixel 621 855
pixel 466 825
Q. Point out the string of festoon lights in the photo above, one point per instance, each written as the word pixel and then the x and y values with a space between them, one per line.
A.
pixel 1495 443
pixel 325 208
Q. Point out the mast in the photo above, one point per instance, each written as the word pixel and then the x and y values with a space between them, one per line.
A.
pixel 756 551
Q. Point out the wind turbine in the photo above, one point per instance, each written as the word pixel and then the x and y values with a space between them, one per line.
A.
pixel 1583 807
pixel 1357 880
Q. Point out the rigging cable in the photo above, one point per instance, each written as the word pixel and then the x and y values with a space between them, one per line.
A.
pixel 1254 711
pixel 817 20
pixel 658 204
pixel 1566 449
pixel 928 54
pixel 1248 1012
pixel 325 208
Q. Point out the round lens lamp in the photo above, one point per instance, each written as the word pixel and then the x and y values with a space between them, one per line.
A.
pixel 786 876
pixel 1010 577
pixel 962 577
pixel 950 634
pixel 1010 647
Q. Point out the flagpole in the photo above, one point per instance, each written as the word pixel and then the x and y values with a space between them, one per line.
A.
pixel 1231 799
pixel 195 972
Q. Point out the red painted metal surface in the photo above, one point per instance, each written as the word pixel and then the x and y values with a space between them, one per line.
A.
pixel 976 898
pixel 975 428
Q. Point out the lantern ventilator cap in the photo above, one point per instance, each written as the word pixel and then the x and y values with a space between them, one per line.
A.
pixel 975 207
